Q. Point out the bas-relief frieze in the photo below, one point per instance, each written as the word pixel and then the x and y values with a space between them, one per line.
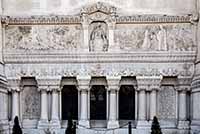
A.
pixel 167 103
pixel 171 37
pixel 56 70
pixel 31 102
pixel 40 37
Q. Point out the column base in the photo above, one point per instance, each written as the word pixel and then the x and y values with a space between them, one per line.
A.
pixel 183 124
pixel 43 124
pixel 84 123
pixel 55 124
pixel 141 124
pixel 113 124
pixel 195 127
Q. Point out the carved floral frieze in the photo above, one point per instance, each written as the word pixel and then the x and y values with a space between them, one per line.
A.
pixel 67 70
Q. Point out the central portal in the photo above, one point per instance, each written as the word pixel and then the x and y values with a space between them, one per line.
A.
pixel 98 106
pixel 98 103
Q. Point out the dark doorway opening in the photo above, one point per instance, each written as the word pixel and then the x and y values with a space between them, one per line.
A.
pixel 127 102
pixel 98 102
pixel 69 102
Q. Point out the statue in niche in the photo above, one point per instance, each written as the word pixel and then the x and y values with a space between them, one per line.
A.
pixel 162 39
pixel 98 38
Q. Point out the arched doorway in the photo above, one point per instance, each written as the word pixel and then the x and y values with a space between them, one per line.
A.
pixel 127 102
pixel 69 102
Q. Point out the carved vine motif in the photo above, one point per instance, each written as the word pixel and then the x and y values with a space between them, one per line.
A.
pixel 43 37
pixel 31 103
pixel 167 103
pixel 98 37
pixel 155 37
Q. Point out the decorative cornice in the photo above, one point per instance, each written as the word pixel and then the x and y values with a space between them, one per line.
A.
pixel 40 20
pixel 45 20
pixel 155 19
pixel 137 57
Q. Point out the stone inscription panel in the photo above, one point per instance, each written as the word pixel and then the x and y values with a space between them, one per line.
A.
pixel 167 103
pixel 31 102
pixel 43 37
pixel 171 37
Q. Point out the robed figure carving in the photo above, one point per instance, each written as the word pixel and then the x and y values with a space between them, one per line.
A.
pixel 98 37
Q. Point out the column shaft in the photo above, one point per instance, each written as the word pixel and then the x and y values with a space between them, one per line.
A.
pixel 84 106
pixel 55 106
pixel 182 106
pixel 15 104
pixel 44 106
pixel 152 104
pixel 142 105
pixel 113 106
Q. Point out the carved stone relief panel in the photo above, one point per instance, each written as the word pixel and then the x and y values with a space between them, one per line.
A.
pixel 3 104
pixel 98 40
pixel 31 102
pixel 43 37
pixel 167 103
pixel 172 37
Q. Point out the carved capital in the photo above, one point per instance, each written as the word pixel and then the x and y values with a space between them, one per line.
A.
pixel 14 85
pixel 184 84
pixel 83 83
pixel 113 82
pixel 148 83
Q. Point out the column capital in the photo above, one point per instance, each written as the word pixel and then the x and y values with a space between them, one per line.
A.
pixel 184 84
pixel 113 82
pixel 148 83
pixel 14 85
pixel 83 83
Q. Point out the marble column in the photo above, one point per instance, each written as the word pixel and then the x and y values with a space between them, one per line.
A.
pixel 153 103
pixel 113 87
pixel 182 116
pixel 113 122
pixel 84 108
pixel 55 121
pixel 43 123
pixel 142 121
pixel 83 87
pixel 15 104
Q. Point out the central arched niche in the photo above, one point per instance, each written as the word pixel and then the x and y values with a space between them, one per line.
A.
pixel 127 100
pixel 69 99
pixel 98 39
pixel 98 102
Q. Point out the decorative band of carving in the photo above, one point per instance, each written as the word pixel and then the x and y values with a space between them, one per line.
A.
pixel 41 20
pixel 77 19
pixel 156 18
pixel 103 57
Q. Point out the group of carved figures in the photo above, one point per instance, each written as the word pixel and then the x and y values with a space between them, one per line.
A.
pixel 134 37
pixel 158 38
